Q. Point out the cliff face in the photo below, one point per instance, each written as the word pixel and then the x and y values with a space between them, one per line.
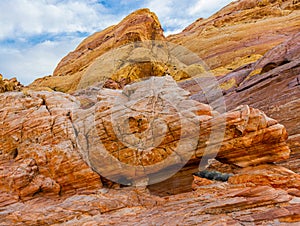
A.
pixel 253 46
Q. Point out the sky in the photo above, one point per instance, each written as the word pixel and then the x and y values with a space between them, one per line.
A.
pixel 36 34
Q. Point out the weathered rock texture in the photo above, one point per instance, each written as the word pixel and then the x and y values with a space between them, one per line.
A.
pixel 136 61
pixel 139 26
pixel 224 41
pixel 148 105
pixel 270 84
pixel 38 148
pixel 273 86
pixel 7 85
pixel 50 144
pixel 214 204
pixel 240 33
pixel 271 175
pixel 58 151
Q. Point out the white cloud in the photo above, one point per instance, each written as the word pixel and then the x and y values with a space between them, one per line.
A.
pixel 176 15
pixel 172 31
pixel 207 7
pixel 23 21
pixel 28 17
pixel 171 13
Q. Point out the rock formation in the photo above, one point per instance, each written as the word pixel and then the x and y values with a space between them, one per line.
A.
pixel 139 26
pixel 7 85
pixel 225 41
pixel 270 84
pixel 38 150
pixel 52 146
pixel 72 158
pixel 240 33
pixel 259 67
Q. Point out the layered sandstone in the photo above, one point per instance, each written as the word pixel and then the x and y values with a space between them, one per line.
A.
pixel 160 114
pixel 7 85
pixel 225 41
pixel 38 148
pixel 139 26
pixel 240 33
pixel 270 175
pixel 57 154
pixel 69 159
pixel 270 84
pixel 213 204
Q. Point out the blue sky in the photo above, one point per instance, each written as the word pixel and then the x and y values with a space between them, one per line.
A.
pixel 36 34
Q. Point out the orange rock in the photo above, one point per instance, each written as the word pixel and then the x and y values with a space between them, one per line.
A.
pixel 38 150
pixel 127 129
pixel 48 146
pixel 271 175
pixel 49 142
pixel 198 182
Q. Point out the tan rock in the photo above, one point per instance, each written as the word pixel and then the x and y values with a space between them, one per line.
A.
pixel 240 33
pixel 50 142
pixel 138 26
pixel 271 85
pixel 7 85
pixel 151 125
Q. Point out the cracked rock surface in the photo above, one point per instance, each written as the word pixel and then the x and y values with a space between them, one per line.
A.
pixel 51 166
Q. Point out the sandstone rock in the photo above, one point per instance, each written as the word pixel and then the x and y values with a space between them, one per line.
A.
pixel 139 26
pixel 247 197
pixel 7 85
pixel 270 84
pixel 227 40
pixel 50 143
pixel 245 138
pixel 140 60
pixel 223 41
pixel 38 147
pixel 153 125
pixel 178 183
pixel 199 181
pixel 215 165
pixel 210 205
pixel 271 175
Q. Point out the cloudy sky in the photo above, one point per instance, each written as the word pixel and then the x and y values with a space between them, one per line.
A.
pixel 36 34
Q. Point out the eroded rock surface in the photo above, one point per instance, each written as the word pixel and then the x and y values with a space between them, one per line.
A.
pixel 152 125
pixel 7 85
pixel 225 41
pixel 240 33
pixel 211 204
pixel 51 147
pixel 139 26
pixel 38 152
pixel 270 84
pixel 58 151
